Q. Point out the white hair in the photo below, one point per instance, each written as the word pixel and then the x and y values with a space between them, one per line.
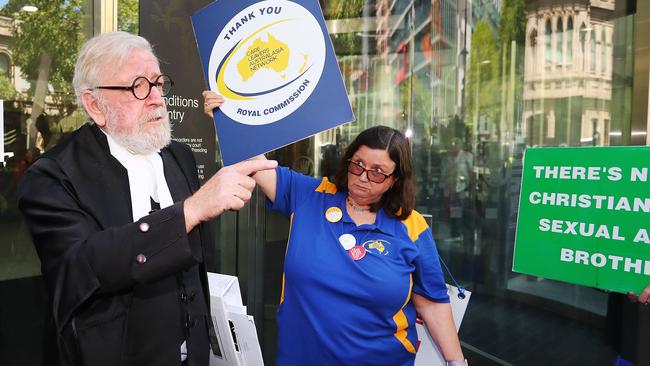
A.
pixel 101 54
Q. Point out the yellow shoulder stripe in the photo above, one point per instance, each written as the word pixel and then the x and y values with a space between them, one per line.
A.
pixel 285 253
pixel 326 186
pixel 415 225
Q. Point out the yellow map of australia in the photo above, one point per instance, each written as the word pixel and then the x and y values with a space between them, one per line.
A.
pixel 271 54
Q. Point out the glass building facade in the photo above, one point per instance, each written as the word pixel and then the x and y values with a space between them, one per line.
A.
pixel 472 83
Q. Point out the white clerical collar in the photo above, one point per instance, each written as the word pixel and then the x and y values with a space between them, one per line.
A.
pixel 146 178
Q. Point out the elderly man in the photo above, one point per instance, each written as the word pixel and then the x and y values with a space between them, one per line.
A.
pixel 116 216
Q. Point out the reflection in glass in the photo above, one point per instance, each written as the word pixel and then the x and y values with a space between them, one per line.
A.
pixel 559 33
pixel 39 107
pixel 476 83
pixel 547 41
pixel 569 42
pixel 37 53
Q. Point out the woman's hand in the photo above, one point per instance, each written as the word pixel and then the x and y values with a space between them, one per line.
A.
pixel 265 180
pixel 211 100
pixel 643 298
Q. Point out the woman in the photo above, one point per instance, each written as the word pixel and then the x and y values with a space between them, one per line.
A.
pixel 360 261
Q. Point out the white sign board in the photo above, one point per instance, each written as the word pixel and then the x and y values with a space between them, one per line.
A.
pixel 274 64
pixel 428 353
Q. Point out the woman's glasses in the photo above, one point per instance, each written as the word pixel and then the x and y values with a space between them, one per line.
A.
pixel 374 176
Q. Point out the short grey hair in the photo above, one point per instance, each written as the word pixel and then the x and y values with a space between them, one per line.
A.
pixel 100 52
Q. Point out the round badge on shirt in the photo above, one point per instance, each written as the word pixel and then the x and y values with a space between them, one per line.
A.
pixel 333 214
pixel 357 252
pixel 347 241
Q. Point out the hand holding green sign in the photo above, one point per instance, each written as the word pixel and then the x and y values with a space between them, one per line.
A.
pixel 584 217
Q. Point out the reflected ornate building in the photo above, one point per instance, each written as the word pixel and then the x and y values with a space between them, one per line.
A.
pixel 7 66
pixel 12 80
pixel 6 39
pixel 568 73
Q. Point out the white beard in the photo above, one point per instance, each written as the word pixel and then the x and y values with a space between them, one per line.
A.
pixel 137 140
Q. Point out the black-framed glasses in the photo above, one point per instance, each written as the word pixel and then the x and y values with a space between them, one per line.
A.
pixel 374 176
pixel 141 86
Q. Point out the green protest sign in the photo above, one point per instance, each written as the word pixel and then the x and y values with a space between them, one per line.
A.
pixel 584 216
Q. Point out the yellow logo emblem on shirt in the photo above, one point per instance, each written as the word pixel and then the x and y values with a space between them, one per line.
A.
pixel 377 246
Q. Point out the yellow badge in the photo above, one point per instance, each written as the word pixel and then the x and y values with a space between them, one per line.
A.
pixel 333 214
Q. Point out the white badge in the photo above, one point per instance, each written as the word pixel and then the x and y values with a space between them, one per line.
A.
pixel 347 241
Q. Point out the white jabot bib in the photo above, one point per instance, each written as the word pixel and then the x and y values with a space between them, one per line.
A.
pixel 146 179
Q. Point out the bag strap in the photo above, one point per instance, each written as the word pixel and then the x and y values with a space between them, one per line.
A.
pixel 461 289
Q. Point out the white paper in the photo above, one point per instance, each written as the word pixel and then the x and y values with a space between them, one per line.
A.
pixel 236 332
pixel 428 353
pixel 226 287
pixel 249 353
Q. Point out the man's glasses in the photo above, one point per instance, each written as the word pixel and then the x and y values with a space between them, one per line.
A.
pixel 374 176
pixel 141 86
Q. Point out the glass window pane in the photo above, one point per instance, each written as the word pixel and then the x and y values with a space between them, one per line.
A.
pixel 472 84
pixel 38 47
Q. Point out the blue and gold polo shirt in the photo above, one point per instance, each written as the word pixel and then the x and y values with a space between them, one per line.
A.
pixel 335 310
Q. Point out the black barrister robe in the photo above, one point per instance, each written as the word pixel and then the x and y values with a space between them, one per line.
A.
pixel 110 306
